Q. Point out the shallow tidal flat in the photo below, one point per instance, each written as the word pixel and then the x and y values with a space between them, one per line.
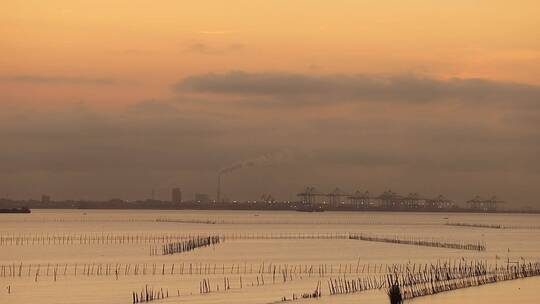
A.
pixel 93 256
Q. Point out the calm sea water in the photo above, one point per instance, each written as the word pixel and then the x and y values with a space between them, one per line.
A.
pixel 243 259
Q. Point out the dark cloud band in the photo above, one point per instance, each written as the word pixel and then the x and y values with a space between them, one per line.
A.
pixel 399 88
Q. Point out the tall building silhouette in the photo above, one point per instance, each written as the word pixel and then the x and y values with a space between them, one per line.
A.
pixel 176 195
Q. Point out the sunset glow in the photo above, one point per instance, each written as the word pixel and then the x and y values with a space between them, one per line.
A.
pixel 128 64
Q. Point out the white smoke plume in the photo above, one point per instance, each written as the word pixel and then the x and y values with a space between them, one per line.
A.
pixel 269 159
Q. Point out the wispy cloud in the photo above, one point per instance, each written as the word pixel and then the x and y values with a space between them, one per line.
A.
pixel 207 49
pixel 57 79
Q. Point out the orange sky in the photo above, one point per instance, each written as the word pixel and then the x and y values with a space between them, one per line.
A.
pixel 145 46
pixel 104 99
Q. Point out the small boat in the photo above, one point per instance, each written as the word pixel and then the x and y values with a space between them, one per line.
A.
pixel 15 210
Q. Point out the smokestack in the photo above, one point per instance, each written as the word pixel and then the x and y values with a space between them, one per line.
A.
pixel 268 159
pixel 219 187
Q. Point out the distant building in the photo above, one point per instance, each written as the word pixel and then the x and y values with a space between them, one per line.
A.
pixel 176 195
pixel 412 201
pixel 360 199
pixel 480 204
pixel 45 199
pixel 202 198
pixel 389 200
pixel 440 202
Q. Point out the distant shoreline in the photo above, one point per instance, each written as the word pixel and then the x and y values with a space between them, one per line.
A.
pixel 258 207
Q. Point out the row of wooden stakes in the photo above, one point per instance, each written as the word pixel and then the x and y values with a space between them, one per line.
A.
pixel 190 244
pixel 478 246
pixel 406 286
pixel 288 270
pixel 90 239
